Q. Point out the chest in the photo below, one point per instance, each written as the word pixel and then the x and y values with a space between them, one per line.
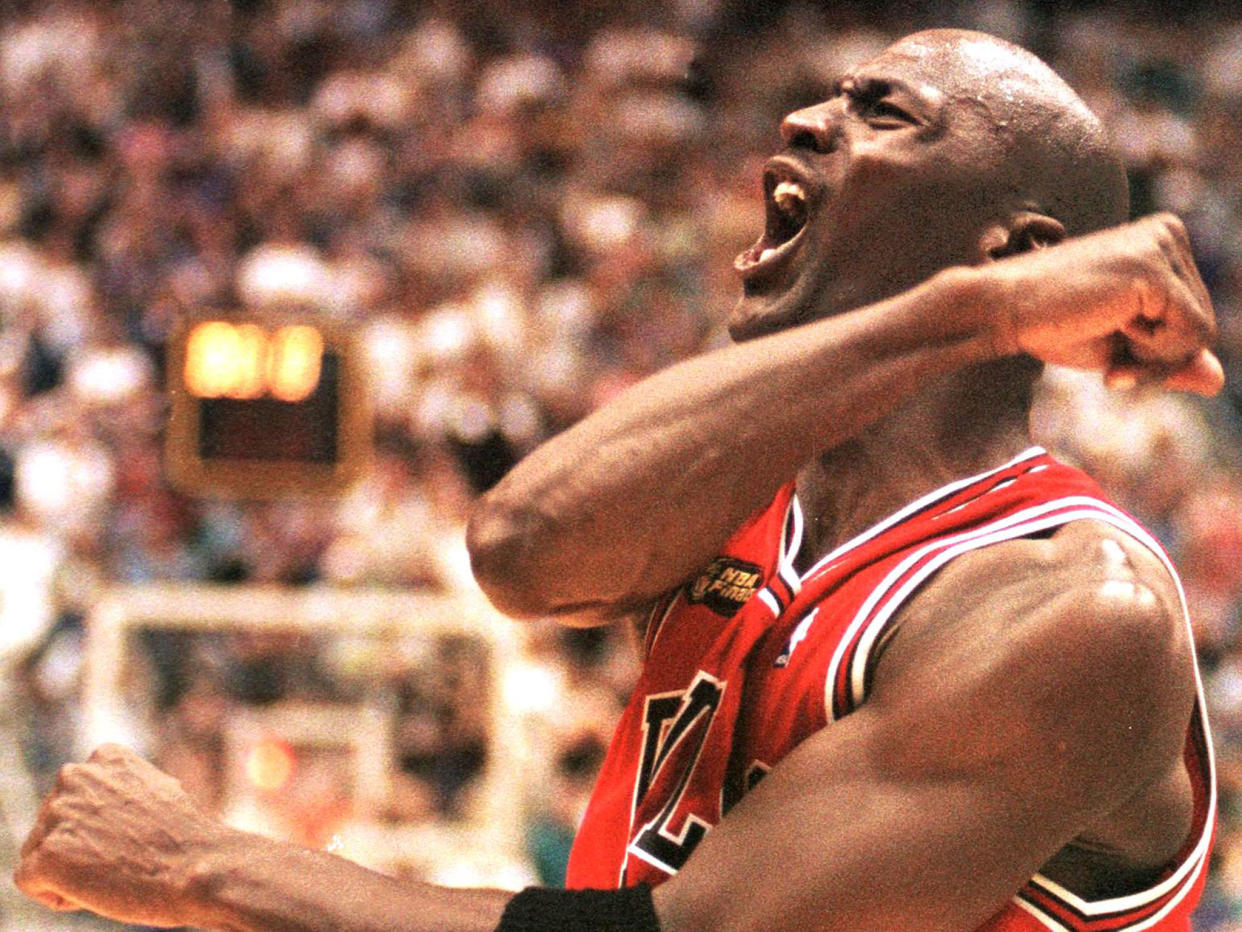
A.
pixel 795 665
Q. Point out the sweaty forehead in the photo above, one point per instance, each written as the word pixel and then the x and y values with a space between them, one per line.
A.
pixel 964 64
pixel 1053 151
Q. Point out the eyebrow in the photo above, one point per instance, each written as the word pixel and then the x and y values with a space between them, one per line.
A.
pixel 868 85
pixel 873 87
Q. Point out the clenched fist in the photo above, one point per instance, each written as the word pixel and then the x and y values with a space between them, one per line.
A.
pixel 1126 301
pixel 118 837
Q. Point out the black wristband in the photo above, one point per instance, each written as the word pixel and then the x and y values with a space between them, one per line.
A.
pixel 542 909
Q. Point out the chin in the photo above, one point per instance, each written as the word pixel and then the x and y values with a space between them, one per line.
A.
pixel 757 317
pixel 761 313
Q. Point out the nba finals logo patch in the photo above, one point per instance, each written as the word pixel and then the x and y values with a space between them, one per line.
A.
pixel 725 585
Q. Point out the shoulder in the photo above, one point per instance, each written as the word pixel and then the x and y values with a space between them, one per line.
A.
pixel 1077 639
pixel 1107 583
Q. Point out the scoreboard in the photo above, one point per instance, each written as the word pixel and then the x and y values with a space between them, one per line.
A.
pixel 264 407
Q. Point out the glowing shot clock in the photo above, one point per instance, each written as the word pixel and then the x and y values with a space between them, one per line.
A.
pixel 264 407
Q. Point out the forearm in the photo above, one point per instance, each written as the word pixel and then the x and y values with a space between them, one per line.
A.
pixel 638 496
pixel 246 883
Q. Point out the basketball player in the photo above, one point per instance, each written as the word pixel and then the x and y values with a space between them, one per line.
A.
pixel 904 671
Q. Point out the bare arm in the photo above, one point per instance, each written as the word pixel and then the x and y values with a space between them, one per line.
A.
pixel 639 496
pixel 997 731
pixel 635 498
pixel 120 838
pixel 254 885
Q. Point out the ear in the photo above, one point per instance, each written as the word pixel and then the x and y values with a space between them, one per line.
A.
pixel 1025 231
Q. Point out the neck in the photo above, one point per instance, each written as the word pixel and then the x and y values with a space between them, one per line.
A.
pixel 955 428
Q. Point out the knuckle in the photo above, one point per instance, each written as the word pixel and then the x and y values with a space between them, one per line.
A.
pixel 1165 239
pixel 1165 220
pixel 35 838
pixel 33 868
pixel 1196 316
pixel 58 810
pixel 109 757
pixel 1208 329
pixel 1142 290
pixel 25 877
pixel 69 776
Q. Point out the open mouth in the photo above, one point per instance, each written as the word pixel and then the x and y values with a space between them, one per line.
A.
pixel 787 201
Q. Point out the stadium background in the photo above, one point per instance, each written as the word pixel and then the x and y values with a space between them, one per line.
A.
pixel 516 209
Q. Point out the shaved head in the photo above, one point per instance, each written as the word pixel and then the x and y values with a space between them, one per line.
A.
pixel 948 148
pixel 1055 156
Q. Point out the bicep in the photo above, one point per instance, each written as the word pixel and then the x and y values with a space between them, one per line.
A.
pixel 977 756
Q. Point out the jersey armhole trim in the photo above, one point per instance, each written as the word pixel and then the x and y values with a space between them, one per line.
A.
pixel 849 680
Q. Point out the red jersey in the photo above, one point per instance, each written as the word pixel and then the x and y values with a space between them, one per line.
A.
pixel 751 658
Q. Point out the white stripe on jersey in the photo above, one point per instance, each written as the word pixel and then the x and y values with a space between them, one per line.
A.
pixel 918 505
pixel 791 543
pixel 1014 524
pixel 790 547
pixel 768 599
pixel 1020 524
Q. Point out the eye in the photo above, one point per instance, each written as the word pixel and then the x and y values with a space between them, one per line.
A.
pixel 886 113
pixel 872 99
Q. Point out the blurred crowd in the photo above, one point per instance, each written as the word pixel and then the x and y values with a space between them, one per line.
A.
pixel 518 209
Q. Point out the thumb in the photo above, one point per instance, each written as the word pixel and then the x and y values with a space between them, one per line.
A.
pixel 1202 374
pixel 56 901
pixel 38 891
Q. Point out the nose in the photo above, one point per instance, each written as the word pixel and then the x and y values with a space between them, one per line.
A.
pixel 814 128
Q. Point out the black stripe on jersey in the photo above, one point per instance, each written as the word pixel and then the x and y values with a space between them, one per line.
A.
pixel 1047 903
pixel 781 591
pixel 655 620
pixel 954 495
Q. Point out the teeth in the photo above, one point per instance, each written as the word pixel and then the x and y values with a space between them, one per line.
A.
pixel 789 195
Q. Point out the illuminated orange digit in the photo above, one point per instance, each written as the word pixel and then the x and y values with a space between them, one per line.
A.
pixel 294 361
pixel 252 351
pixel 211 353
pixel 243 361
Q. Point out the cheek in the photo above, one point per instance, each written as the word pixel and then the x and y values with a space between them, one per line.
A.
pixel 945 187
pixel 883 157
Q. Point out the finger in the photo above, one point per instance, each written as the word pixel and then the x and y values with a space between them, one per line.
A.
pixel 28 878
pixel 21 876
pixel 59 903
pixel 1182 258
pixel 52 900
pixel 69 776
pixel 43 824
pixel 1168 329
pixel 1130 365
pixel 110 752
pixel 1203 298
pixel 1203 375
pixel 32 879
pixel 32 840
